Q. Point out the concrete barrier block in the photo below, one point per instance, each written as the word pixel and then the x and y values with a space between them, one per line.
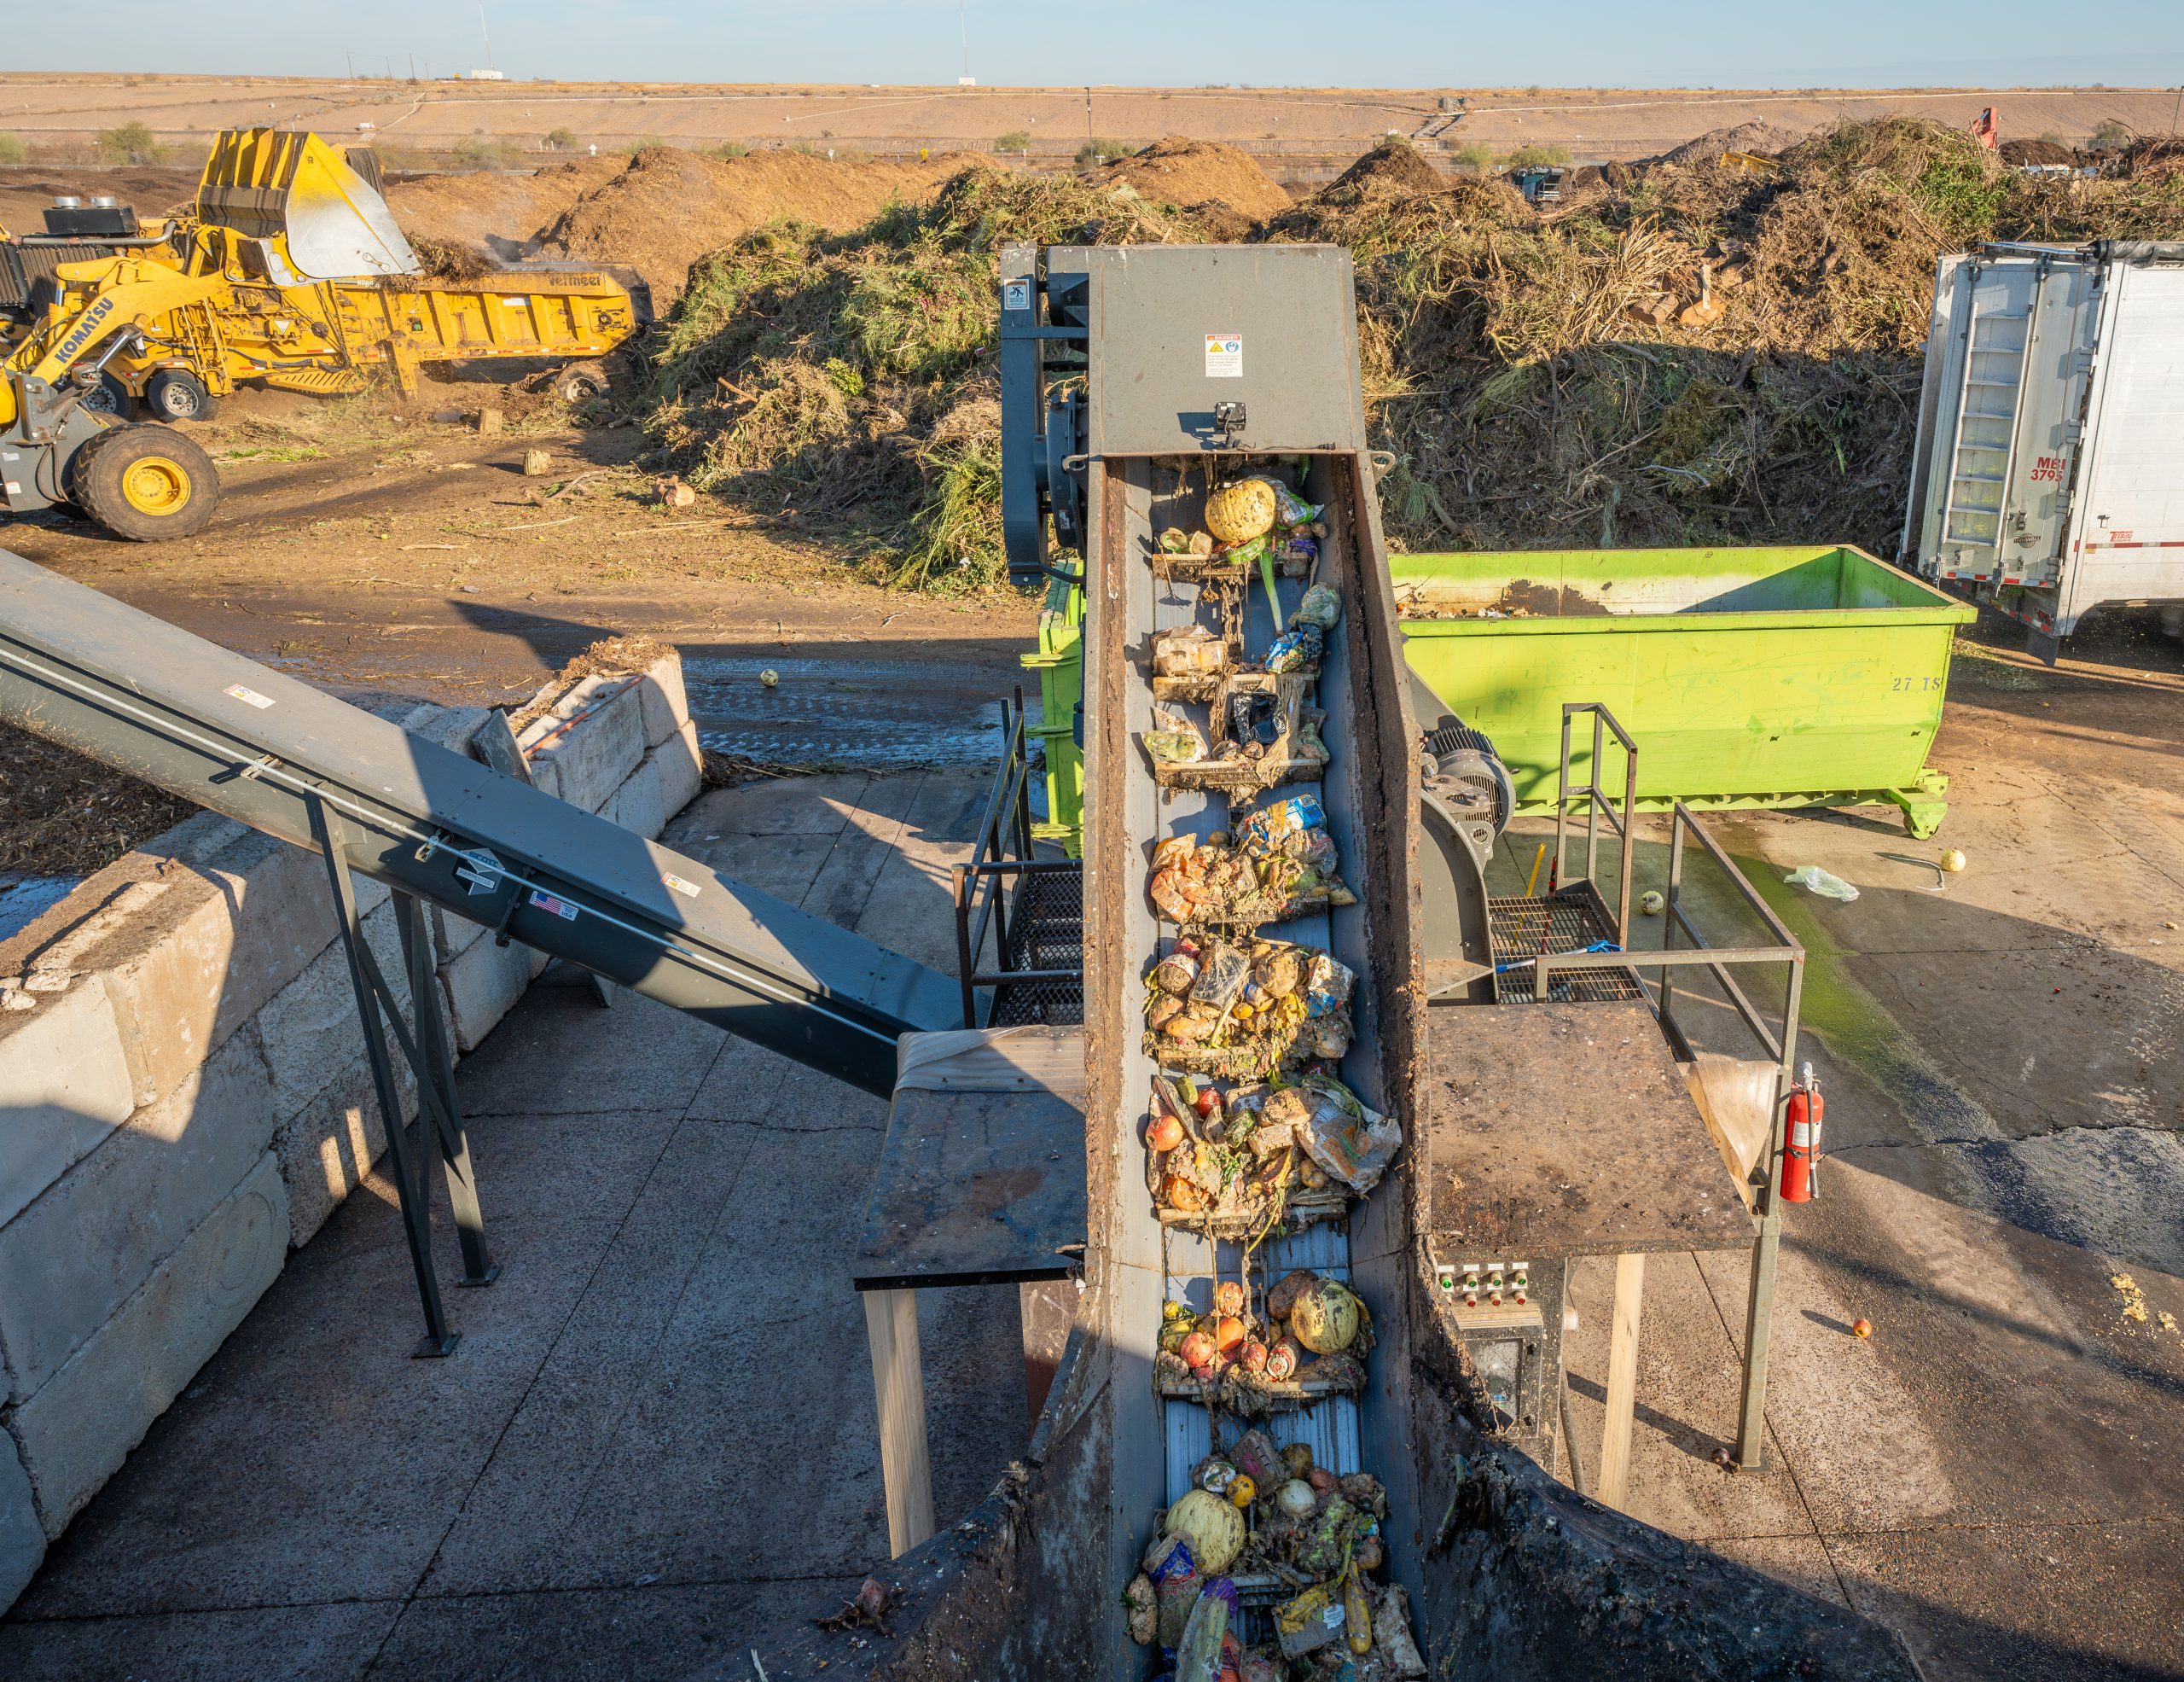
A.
pixel 661 694
pixel 451 727
pixel 78 1429
pixel 682 768
pixel 636 805
pixel 600 746
pixel 22 1537
pixel 96 1234
pixel 482 986
pixel 451 935
pixel 64 1085
pixel 310 1029
pixel 327 1148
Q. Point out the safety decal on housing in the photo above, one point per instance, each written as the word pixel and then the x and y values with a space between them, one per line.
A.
pixel 688 889
pixel 1224 355
pixel 250 697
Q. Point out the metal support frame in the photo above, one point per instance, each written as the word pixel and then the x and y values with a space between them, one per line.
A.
pixel 1595 796
pixel 428 1054
pixel 1001 850
pixel 1766 1222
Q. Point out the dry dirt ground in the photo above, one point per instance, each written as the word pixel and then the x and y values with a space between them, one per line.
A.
pixel 1306 123
pixel 382 553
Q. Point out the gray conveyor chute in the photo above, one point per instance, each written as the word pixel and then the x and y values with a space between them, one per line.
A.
pixel 135 692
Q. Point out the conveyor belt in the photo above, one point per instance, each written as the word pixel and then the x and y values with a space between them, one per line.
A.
pixel 135 692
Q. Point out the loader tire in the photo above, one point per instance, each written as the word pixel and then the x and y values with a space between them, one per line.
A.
pixel 111 397
pixel 579 380
pixel 146 483
pixel 177 394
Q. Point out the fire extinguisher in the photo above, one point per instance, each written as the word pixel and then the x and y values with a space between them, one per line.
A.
pixel 1801 1158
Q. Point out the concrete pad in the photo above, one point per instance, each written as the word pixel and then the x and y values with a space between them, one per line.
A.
pixel 359 1457
pixel 1802 1562
pixel 76 1431
pixel 747 1082
pixel 526 1518
pixel 2001 1383
pixel 636 805
pixel 95 1236
pixel 1689 1385
pixel 778 806
pixel 326 1148
pixel 64 1085
pixel 310 1028
pixel 912 907
pixel 845 885
pixel 564 1055
pixel 588 760
pixel 22 1539
pixel 665 1629
pixel 2067 1603
pixel 682 767
pixel 328 1643
pixel 480 985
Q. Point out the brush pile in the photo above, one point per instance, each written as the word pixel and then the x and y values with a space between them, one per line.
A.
pixel 1687 354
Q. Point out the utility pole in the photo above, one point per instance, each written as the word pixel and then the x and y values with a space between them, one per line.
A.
pixel 2174 110
pixel 351 60
pixel 483 31
pixel 963 28
pixel 1089 141
pixel 412 67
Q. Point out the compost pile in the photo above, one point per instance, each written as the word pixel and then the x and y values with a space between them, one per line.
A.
pixel 1689 354
pixel 466 225
pixel 1205 177
pixel 63 815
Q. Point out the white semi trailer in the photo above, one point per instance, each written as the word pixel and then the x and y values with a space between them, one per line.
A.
pixel 2049 476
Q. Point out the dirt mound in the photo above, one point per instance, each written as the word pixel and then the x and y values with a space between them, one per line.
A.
pixel 668 207
pixel 1196 173
pixel 494 218
pixel 1763 139
pixel 1393 167
pixel 2036 152
pixel 26 193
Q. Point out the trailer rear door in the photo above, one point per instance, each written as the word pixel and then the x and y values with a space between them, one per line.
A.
pixel 2128 533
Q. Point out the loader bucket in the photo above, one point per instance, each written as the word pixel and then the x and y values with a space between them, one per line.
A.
pixel 284 186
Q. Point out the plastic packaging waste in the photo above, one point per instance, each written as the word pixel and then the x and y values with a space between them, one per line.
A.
pixel 1822 883
pixel 1321 606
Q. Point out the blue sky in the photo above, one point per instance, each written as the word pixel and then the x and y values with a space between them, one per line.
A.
pixel 1160 42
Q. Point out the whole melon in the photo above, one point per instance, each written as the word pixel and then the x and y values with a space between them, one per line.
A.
pixel 1325 1319
pixel 1238 513
pixel 1214 1529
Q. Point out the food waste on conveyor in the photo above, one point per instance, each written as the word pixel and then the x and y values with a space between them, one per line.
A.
pixel 1267 1568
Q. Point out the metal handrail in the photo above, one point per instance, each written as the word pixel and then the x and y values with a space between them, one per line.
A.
pixel 1595 796
pixel 1000 850
pixel 1765 1181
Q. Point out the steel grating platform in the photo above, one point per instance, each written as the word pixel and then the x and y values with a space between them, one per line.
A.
pixel 1572 920
pixel 1046 931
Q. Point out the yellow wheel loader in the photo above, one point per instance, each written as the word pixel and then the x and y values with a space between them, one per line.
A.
pixel 313 286
pixel 143 482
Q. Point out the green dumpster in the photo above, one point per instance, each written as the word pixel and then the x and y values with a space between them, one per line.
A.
pixel 1747 677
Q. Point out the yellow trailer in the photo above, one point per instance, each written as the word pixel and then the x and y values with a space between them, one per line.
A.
pixel 314 285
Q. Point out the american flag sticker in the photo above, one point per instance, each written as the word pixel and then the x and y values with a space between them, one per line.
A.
pixel 560 908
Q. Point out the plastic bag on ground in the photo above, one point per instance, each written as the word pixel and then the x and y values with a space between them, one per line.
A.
pixel 1822 883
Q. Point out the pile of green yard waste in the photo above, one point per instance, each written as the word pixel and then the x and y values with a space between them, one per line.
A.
pixel 1674 354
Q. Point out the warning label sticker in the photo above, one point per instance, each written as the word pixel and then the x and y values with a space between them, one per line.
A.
pixel 688 889
pixel 250 697
pixel 1224 355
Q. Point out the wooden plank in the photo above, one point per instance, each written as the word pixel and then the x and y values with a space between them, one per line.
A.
pixel 1556 1130
pixel 891 1324
pixel 1621 1379
pixel 976 1189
